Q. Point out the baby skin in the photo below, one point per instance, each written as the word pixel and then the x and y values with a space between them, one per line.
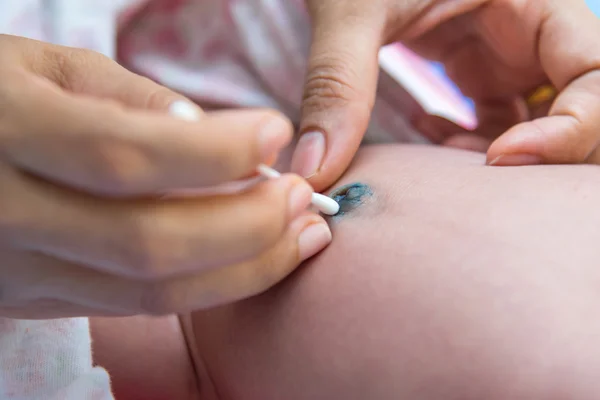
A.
pixel 446 279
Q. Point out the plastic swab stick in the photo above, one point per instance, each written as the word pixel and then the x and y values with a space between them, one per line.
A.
pixel 324 204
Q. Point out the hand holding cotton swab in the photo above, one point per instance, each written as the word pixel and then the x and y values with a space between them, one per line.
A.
pixel 187 112
pixel 324 204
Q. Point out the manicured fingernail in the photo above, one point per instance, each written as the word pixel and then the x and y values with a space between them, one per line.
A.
pixel 299 197
pixel 274 135
pixel 309 154
pixel 185 110
pixel 515 160
pixel 314 238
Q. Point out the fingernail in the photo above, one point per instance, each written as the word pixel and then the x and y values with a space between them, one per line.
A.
pixel 185 110
pixel 299 198
pixel 274 135
pixel 515 160
pixel 309 154
pixel 313 239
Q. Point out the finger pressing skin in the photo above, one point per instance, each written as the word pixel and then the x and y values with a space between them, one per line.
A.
pixel 468 141
pixel 106 294
pixel 570 54
pixel 150 239
pixel 100 147
pixel 339 89
pixel 494 116
pixel 447 133
pixel 569 135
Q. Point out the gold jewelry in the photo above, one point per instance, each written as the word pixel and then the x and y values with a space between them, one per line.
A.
pixel 542 95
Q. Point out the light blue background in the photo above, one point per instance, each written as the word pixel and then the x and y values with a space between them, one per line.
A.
pixel 594 5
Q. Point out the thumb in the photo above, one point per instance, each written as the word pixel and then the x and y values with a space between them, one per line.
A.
pixel 90 73
pixel 339 90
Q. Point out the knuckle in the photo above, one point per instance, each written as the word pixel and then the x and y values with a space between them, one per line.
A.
pixel 577 148
pixel 67 66
pixel 572 146
pixel 328 82
pixel 158 98
pixel 55 66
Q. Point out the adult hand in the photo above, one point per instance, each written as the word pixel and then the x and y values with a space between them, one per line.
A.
pixel 497 51
pixel 86 147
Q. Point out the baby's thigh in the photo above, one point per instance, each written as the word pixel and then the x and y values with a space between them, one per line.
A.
pixel 372 333
pixel 432 291
pixel 146 357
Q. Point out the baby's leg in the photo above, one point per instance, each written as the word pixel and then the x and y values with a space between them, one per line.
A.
pixel 453 281
pixel 146 357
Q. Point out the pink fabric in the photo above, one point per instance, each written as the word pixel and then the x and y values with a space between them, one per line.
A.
pixel 235 53
pixel 242 53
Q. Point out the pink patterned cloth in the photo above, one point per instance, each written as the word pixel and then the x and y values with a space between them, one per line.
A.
pixel 226 53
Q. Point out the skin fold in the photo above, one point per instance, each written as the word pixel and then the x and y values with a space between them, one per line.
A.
pixel 452 280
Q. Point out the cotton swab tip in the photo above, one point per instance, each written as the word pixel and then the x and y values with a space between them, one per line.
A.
pixel 325 204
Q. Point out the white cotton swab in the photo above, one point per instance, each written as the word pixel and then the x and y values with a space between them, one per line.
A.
pixel 186 111
pixel 324 204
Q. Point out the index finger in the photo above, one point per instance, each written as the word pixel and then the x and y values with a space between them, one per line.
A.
pixel 102 147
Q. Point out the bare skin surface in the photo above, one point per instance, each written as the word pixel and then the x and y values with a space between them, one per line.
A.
pixel 454 281
pixel 147 358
